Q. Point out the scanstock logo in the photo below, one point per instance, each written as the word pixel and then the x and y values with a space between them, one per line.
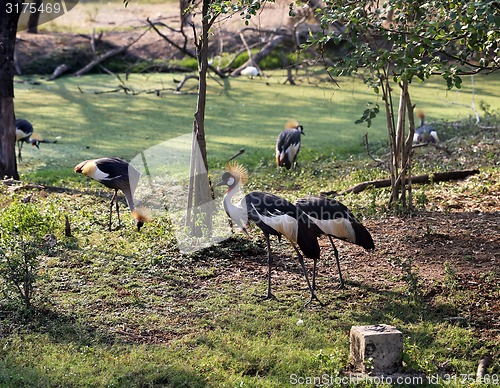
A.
pixel 163 191
pixel 41 11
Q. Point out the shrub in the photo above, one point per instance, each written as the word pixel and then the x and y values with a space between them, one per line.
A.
pixel 22 227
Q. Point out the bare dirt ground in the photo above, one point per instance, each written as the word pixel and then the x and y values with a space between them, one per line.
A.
pixel 120 26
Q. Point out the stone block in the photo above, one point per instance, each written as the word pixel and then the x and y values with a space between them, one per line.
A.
pixel 376 349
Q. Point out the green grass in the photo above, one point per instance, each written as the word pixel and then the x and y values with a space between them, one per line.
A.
pixel 127 309
pixel 244 114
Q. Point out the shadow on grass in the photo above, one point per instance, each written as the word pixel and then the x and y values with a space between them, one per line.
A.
pixel 20 324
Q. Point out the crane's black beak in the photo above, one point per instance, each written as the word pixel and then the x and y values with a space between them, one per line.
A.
pixel 221 183
pixel 140 224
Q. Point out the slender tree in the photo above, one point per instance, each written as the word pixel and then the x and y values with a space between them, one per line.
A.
pixel 392 42
pixel 200 192
pixel 9 16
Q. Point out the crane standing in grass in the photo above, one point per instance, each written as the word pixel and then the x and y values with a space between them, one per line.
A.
pixel 288 145
pixel 335 220
pixel 116 174
pixel 24 134
pixel 24 130
pixel 425 133
pixel 274 216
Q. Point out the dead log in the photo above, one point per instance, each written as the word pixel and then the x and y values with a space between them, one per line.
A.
pixel 426 178
pixel 111 53
pixel 59 71
pixel 101 58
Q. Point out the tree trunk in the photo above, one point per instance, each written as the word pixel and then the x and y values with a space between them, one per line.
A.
pixel 199 215
pixel 400 141
pixel 34 17
pixel 8 28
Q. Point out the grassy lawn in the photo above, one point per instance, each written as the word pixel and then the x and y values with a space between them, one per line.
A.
pixel 127 309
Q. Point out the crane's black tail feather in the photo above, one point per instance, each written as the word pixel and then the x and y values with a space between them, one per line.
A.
pixel 363 237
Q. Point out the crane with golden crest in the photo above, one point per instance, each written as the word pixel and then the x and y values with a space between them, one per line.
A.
pixel 116 174
pixel 275 216
pixel 288 145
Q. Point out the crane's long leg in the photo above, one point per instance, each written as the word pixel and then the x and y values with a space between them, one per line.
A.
pixel 118 211
pixel 315 261
pixel 311 289
pixel 19 147
pixel 269 295
pixel 342 285
pixel 111 208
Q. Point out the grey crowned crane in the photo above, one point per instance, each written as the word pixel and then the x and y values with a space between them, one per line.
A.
pixel 425 133
pixel 24 134
pixel 334 219
pixel 24 130
pixel 116 174
pixel 288 145
pixel 275 216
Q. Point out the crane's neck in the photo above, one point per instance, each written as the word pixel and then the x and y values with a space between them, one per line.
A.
pixel 130 199
pixel 235 211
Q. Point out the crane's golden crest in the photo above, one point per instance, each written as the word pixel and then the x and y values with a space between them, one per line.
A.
pixel 142 214
pixel 291 124
pixel 420 113
pixel 238 171
pixel 36 136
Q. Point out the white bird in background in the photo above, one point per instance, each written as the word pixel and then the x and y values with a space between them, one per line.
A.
pixel 250 71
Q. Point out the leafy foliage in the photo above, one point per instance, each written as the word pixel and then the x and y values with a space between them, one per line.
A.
pixel 400 41
pixel 22 227
pixel 414 39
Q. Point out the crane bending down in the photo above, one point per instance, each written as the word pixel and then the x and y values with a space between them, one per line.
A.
pixel 274 216
pixel 288 145
pixel 116 174
pixel 24 134
pixel 334 219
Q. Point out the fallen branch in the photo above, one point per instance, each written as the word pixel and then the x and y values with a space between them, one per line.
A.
pixel 101 58
pixel 426 178
pixel 436 146
pixel 15 186
pixel 61 69
pixel 181 83
pixel 106 55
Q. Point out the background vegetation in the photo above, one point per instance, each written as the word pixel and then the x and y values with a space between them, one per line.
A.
pixel 128 309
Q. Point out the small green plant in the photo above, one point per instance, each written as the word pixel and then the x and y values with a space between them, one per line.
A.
pixel 25 219
pixel 450 276
pixel 19 266
pixel 22 227
pixel 329 363
pixel 414 360
pixel 421 199
pixel 412 278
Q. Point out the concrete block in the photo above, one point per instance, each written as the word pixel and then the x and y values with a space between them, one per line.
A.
pixel 376 349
